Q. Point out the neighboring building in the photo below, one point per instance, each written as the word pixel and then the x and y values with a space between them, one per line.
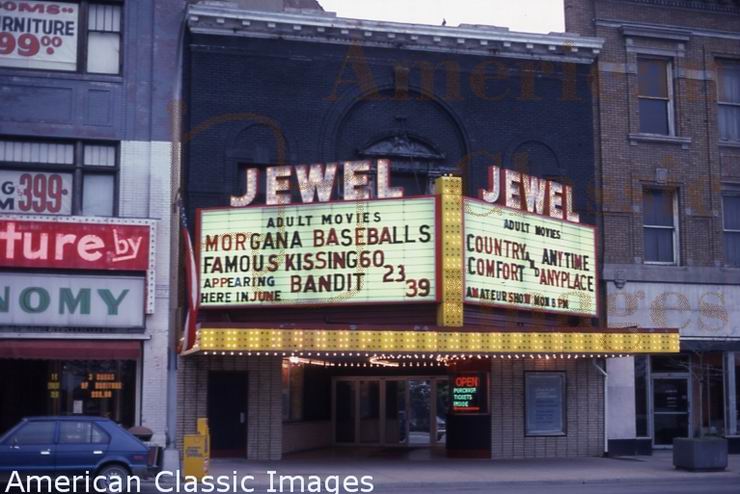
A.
pixel 669 102
pixel 291 365
pixel 85 208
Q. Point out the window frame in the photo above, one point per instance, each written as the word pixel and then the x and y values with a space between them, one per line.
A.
pixel 670 94
pixel 77 168
pixel 563 375
pixel 719 62
pixel 729 190
pixel 675 228
pixel 92 427
pixel 82 41
pixel 13 438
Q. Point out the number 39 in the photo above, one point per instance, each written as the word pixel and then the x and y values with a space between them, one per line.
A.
pixel 418 288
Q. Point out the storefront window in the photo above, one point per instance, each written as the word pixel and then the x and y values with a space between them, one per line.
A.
pixel 713 396
pixel 545 403
pixel 101 388
pixel 670 363
pixel 53 387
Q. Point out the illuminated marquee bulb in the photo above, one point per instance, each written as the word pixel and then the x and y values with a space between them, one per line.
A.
pixel 316 180
pixel 555 200
pixel 535 191
pixel 513 188
pixel 494 185
pixel 569 214
pixel 356 180
pixel 250 188
pixel 278 184
pixel 384 182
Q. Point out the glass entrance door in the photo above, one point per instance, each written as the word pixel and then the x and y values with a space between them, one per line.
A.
pixel 420 412
pixel 390 411
pixel 670 409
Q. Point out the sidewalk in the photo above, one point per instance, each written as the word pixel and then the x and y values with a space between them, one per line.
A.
pixel 418 468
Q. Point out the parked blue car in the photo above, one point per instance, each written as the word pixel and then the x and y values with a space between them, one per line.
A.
pixel 72 445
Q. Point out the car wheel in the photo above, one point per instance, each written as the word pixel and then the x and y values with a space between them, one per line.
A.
pixel 110 472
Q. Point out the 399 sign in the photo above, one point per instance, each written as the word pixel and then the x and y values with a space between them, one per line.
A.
pixel 35 192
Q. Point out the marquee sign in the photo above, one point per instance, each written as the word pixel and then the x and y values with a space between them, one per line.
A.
pixel 364 251
pixel 520 260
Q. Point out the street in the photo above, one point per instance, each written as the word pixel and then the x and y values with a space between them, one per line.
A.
pixel 677 486
pixel 719 486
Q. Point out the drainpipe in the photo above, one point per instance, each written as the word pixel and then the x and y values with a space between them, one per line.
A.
pixel 606 396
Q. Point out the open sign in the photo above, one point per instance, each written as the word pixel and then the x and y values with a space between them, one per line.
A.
pixel 469 393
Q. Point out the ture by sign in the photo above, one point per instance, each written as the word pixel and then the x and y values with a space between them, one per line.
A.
pixel 526 261
pixel 343 252
pixel 74 245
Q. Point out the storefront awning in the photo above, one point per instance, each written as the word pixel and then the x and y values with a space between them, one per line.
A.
pixel 70 349
pixel 592 341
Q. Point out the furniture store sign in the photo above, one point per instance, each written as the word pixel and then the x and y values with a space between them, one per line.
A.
pixel 369 251
pixel 74 245
pixel 39 35
pixel 34 299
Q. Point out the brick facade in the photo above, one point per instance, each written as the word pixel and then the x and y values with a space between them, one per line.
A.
pixel 584 410
pixel 693 161
pixel 264 405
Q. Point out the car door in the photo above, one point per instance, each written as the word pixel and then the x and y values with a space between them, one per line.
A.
pixel 81 446
pixel 30 449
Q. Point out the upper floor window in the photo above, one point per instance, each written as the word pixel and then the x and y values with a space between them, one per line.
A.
pixel 731 226
pixel 58 177
pixel 660 231
pixel 77 37
pixel 728 99
pixel 655 84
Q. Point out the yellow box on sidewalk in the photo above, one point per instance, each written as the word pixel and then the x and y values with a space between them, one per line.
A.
pixel 197 451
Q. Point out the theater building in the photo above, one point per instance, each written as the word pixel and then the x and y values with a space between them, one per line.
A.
pixel 85 195
pixel 669 139
pixel 394 238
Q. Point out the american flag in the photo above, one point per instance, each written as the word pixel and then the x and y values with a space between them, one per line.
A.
pixel 191 285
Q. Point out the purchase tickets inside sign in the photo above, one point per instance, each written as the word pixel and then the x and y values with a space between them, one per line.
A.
pixel 375 251
pixel 515 259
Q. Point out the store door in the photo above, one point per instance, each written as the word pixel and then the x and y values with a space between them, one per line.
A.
pixel 671 406
pixel 227 413
pixel 390 411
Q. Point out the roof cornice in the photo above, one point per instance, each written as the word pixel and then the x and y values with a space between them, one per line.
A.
pixel 226 20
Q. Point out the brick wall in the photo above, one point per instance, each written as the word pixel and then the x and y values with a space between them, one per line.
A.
pixel 302 436
pixel 584 410
pixel 264 403
pixel 696 164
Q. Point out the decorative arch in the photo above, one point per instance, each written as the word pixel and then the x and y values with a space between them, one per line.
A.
pixel 535 158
